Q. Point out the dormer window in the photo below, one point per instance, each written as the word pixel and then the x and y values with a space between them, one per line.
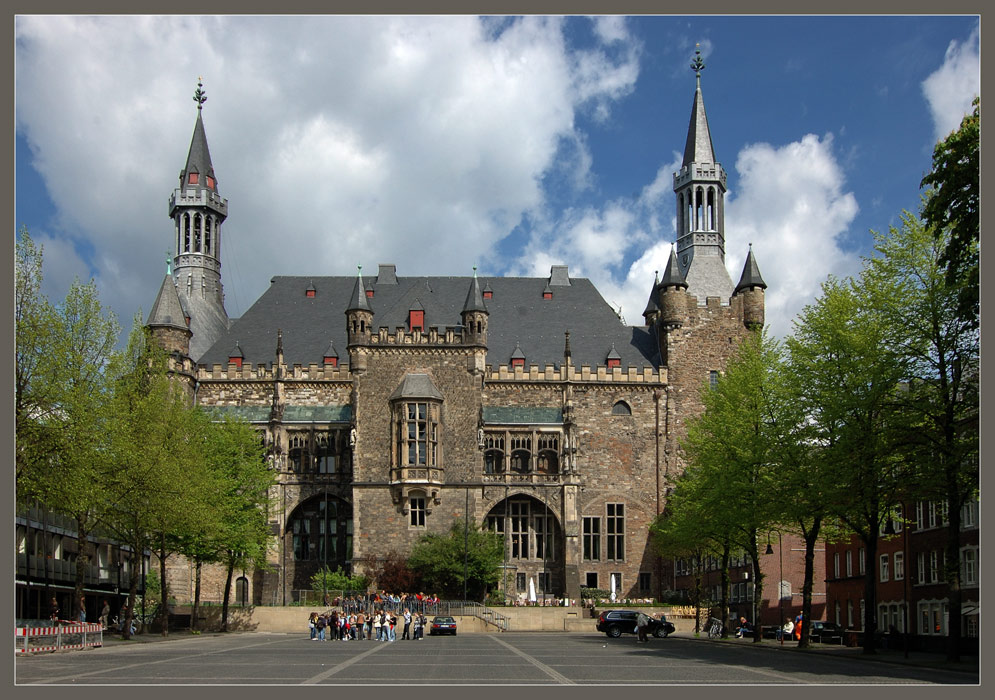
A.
pixel 518 357
pixel 488 292
pixel 613 359
pixel 192 178
pixel 310 291
pixel 210 182
pixel 547 293
pixel 331 356
pixel 416 320
pixel 236 356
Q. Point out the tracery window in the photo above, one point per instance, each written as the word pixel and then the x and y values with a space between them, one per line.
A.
pixel 494 454
pixel 521 453
pixel 549 453
pixel 418 433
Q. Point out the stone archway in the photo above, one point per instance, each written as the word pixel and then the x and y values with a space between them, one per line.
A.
pixel 534 546
pixel 318 534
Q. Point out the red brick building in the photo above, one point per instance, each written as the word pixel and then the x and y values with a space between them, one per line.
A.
pixel 784 576
pixel 908 575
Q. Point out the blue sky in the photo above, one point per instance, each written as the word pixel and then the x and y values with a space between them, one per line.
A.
pixel 439 143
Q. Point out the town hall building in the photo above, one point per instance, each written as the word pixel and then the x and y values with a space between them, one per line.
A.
pixel 393 405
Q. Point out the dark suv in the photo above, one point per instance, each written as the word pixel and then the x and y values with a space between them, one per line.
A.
pixel 615 622
pixel 826 632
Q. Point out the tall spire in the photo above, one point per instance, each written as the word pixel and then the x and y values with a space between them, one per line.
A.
pixel 197 211
pixel 700 187
pixel 474 297
pixel 698 148
pixel 199 157
pixel 358 300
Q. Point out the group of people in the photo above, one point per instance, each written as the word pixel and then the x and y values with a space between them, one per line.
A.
pixel 790 628
pixel 379 625
pixel 382 600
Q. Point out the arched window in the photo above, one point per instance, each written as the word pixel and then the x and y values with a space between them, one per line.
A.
pixel 621 408
pixel 241 591
pixel 548 461
pixel 322 531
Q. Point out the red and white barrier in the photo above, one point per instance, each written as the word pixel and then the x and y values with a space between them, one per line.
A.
pixel 65 635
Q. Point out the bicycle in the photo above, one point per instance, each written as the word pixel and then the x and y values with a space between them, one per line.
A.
pixel 714 628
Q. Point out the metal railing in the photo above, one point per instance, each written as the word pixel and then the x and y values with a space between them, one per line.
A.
pixel 347 600
pixel 56 636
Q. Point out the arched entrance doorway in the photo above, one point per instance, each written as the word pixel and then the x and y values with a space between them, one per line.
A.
pixel 533 547
pixel 318 535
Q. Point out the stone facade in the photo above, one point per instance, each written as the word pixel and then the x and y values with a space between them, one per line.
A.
pixel 426 413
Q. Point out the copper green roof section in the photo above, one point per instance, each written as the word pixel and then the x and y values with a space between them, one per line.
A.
pixel 252 414
pixel 291 414
pixel 523 415
pixel 317 414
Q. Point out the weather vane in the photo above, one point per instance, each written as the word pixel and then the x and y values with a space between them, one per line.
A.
pixel 169 266
pixel 697 65
pixel 199 96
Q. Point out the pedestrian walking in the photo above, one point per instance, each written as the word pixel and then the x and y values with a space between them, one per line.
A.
pixel 312 623
pixel 105 613
pixel 407 624
pixel 642 622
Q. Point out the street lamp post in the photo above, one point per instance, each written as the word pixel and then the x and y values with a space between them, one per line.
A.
pixel 780 584
pixel 906 570
pixel 466 539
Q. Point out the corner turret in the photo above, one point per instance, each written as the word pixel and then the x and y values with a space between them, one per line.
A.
pixel 475 315
pixel 751 288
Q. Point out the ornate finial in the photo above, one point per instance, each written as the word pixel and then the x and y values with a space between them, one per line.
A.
pixel 169 263
pixel 474 270
pixel 697 65
pixel 566 344
pixel 279 340
pixel 199 96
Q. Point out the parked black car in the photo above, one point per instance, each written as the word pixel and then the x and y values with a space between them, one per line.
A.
pixel 442 624
pixel 615 622
pixel 826 632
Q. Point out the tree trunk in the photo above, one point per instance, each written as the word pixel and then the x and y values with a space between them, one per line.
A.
pixel 196 597
pixel 954 593
pixel 724 594
pixel 163 587
pixel 82 559
pixel 870 588
pixel 224 606
pixel 811 538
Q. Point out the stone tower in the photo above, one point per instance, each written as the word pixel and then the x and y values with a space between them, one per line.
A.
pixel 700 187
pixel 197 211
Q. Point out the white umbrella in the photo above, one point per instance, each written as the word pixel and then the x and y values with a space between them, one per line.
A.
pixel 532 590
pixel 612 588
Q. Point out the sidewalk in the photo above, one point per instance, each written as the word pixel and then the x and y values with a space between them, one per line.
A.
pixel 967 664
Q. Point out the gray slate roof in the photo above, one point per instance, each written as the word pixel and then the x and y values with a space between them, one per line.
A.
pixel 517 313
pixel 167 311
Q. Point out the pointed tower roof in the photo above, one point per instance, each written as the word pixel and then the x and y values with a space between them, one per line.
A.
pixel 698 148
pixel 330 351
pixel 651 305
pixel 474 297
pixel 359 302
pixel 199 156
pixel 167 310
pixel 672 276
pixel 751 274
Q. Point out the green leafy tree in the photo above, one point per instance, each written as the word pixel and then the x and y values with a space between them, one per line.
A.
pixel 952 208
pixel 735 447
pixel 241 487
pixel 847 375
pixel 685 530
pixel 937 416
pixel 35 391
pixel 160 486
pixel 62 393
pixel 327 580
pixel 440 561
